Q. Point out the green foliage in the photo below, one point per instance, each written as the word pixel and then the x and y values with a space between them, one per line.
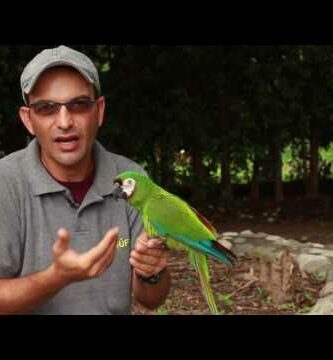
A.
pixel 198 115
pixel 308 296
pixel 161 311
pixel 269 300
pixel 262 292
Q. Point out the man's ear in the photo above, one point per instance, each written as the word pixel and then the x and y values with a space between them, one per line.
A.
pixel 24 113
pixel 100 109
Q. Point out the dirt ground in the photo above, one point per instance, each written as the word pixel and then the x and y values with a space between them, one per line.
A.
pixel 234 291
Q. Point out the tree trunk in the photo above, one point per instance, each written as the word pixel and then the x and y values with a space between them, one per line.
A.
pixel 312 190
pixel 277 157
pixel 255 186
pixel 304 167
pixel 276 276
pixel 166 173
pixel 226 188
pixel 197 175
pixel 155 161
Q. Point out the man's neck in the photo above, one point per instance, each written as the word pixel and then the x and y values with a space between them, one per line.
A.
pixel 77 173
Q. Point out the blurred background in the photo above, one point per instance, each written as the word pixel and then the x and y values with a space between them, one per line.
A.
pixel 223 126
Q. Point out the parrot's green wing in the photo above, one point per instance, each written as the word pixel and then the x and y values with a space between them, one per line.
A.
pixel 172 218
pixel 153 231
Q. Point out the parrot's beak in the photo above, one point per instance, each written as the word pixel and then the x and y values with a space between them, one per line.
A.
pixel 118 192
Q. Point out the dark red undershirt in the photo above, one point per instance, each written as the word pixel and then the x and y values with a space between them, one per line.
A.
pixel 79 189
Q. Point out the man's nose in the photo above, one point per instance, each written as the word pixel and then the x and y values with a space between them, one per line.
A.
pixel 64 118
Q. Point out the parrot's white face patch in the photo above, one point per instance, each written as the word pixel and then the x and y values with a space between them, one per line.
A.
pixel 128 187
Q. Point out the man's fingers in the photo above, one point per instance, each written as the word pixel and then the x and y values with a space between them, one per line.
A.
pixel 146 269
pixel 143 250
pixel 149 242
pixel 151 252
pixel 149 255
pixel 109 240
pixel 143 237
pixel 61 244
pixel 153 246
pixel 105 260
pixel 147 258
pixel 143 269
pixel 143 243
pixel 156 244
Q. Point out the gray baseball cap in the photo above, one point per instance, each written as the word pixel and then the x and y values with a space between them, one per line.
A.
pixel 59 56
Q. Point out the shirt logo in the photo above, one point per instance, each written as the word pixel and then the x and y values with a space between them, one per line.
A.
pixel 123 243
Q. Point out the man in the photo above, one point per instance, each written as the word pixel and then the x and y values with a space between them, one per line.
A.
pixel 67 245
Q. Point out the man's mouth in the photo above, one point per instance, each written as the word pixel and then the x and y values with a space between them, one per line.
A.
pixel 66 139
pixel 68 142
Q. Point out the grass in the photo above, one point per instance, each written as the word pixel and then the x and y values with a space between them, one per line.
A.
pixel 225 299
pixel 161 311
pixel 305 309
pixel 287 306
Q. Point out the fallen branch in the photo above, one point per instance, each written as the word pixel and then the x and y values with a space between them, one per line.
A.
pixel 248 284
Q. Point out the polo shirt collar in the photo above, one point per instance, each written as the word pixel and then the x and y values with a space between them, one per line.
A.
pixel 43 183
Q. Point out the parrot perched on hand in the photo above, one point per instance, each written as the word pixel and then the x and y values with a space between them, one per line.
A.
pixel 179 225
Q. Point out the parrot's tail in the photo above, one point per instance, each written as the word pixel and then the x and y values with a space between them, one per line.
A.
pixel 199 262
pixel 224 252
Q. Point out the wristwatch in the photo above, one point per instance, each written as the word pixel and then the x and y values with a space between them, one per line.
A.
pixel 153 279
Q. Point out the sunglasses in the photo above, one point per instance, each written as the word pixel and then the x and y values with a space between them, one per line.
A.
pixel 74 106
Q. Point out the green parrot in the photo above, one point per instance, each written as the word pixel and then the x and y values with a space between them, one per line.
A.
pixel 179 225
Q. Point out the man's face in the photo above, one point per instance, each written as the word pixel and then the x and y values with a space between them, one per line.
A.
pixel 65 137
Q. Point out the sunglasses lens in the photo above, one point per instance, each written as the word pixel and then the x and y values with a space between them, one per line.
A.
pixel 80 105
pixel 45 108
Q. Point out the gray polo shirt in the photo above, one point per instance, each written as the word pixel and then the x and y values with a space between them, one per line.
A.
pixel 33 206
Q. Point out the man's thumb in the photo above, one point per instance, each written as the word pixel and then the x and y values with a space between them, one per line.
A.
pixel 61 244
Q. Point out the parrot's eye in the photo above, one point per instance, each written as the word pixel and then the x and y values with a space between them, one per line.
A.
pixel 129 183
